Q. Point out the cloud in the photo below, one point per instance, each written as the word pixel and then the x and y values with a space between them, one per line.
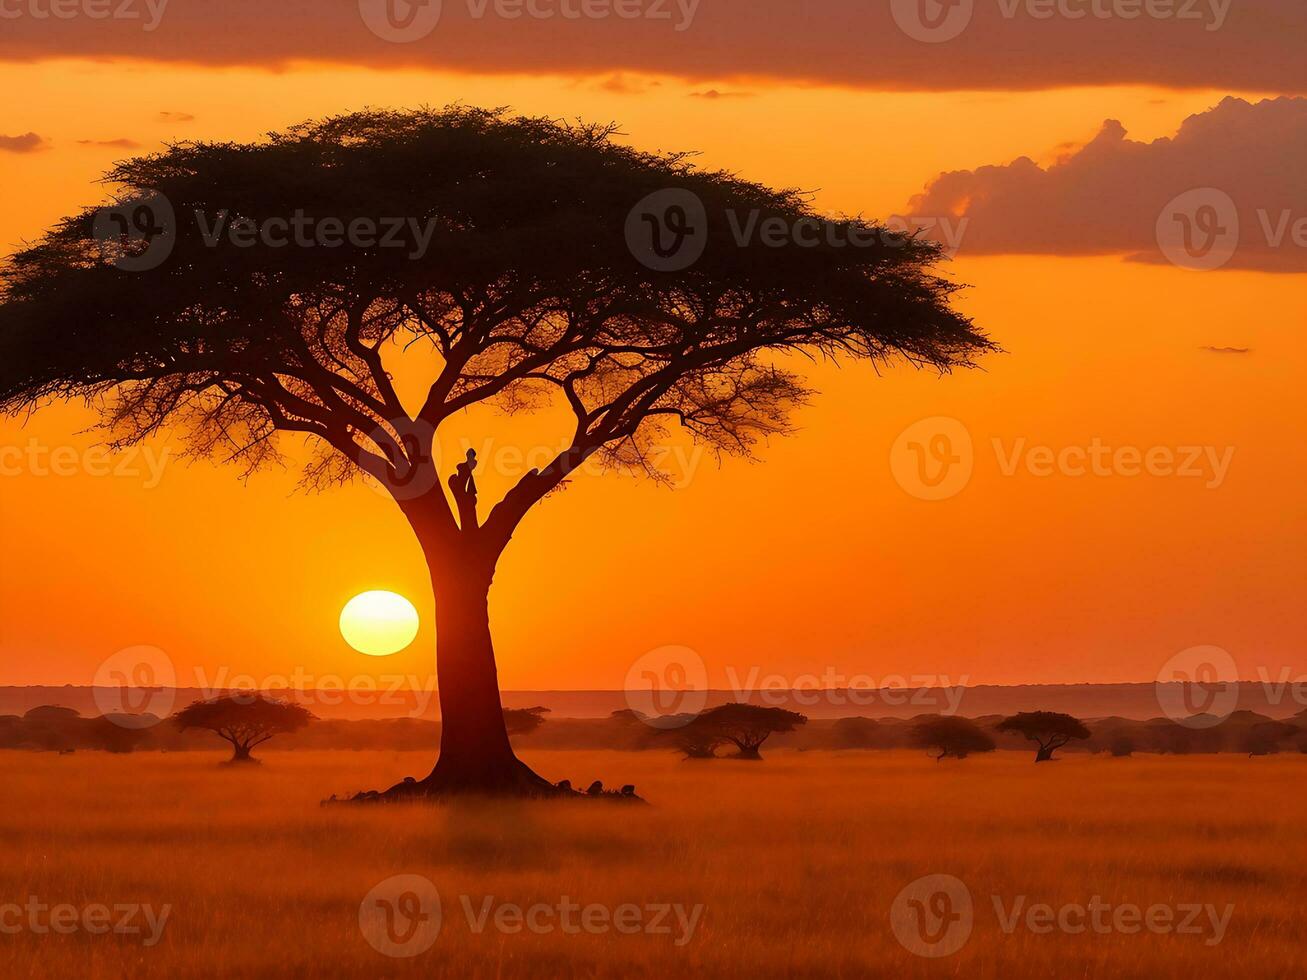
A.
pixel 121 144
pixel 620 84
pixel 181 117
pixel 713 93
pixel 26 143
pixel 1228 190
pixel 1227 350
pixel 1230 45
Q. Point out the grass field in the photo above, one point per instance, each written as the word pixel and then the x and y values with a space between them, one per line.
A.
pixel 795 862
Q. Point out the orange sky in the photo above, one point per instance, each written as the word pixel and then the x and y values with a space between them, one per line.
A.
pixel 815 560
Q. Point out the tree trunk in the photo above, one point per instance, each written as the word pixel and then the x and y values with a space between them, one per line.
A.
pixel 750 752
pixel 1044 754
pixel 475 753
pixel 240 753
pixel 476 756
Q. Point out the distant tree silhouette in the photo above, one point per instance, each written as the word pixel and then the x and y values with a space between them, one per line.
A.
pixel 1049 729
pixel 1266 737
pixel 53 727
pixel 746 726
pixel 244 720
pixel 696 741
pixel 856 733
pixel 525 295
pixel 951 737
pixel 1122 746
pixel 523 721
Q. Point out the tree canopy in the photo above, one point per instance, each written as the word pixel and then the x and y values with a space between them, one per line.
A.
pixel 951 737
pixel 526 289
pixel 746 726
pixel 244 720
pixel 1049 729
pixel 523 721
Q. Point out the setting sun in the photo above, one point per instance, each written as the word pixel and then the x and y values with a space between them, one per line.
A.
pixel 378 623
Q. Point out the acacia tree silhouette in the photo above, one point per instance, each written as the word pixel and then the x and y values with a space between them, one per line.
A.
pixel 517 271
pixel 1050 730
pixel 244 720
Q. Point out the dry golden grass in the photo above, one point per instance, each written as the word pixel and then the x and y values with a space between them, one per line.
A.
pixel 796 860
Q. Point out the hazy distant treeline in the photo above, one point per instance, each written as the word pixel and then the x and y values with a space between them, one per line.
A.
pixel 59 729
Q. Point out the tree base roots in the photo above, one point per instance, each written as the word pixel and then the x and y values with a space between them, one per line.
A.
pixel 517 782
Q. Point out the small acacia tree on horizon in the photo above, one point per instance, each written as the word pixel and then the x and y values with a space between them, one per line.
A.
pixel 526 292
pixel 1050 730
pixel 951 737
pixel 244 720
pixel 746 726
pixel 523 721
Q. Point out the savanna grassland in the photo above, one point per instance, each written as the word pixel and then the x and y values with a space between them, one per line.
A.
pixel 796 862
